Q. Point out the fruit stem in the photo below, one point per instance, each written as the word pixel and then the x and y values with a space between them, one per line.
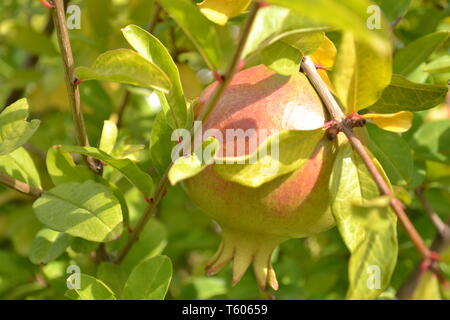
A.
pixel 20 186
pixel 161 189
pixel 337 114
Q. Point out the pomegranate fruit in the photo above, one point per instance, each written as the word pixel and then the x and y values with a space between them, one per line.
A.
pixel 255 221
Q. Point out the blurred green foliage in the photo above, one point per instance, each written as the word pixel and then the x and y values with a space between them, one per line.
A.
pixel 312 268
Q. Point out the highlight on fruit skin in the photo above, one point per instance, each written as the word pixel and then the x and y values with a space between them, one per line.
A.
pixel 255 221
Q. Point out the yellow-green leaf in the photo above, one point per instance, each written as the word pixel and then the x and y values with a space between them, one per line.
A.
pixel 360 74
pixel 395 122
pixel 128 67
pixel 219 11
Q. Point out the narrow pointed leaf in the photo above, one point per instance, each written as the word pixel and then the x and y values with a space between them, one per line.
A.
pixel 417 52
pixel 404 95
pixel 128 168
pixel 128 67
pixel 153 50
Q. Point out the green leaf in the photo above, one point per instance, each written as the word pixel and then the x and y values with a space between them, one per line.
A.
pixel 282 58
pixel 360 74
pixel 431 141
pixel 128 168
pixel 186 167
pixel 48 245
pixel 20 166
pixel 154 51
pixel 80 245
pixel 14 129
pixel 149 280
pixel 279 154
pixel 414 54
pixel 128 67
pixel 88 210
pixel 109 137
pixel 91 289
pixel 428 288
pixel 285 56
pixel 394 154
pixel 347 15
pixel 273 24
pixel 62 168
pixel 213 42
pixel 161 144
pixel 113 275
pixel 373 253
pixel 403 95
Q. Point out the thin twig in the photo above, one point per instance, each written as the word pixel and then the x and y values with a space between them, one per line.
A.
pixel 126 99
pixel 309 69
pixel 440 243
pixel 442 228
pixel 73 90
pixel 164 182
pixel 20 186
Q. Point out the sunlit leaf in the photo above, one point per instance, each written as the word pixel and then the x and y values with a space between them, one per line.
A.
pixel 347 15
pixel 285 56
pixel 149 280
pixel 62 168
pixel 428 288
pixel 126 66
pixel 87 210
pixel 275 23
pixel 325 55
pixel 219 11
pixel 109 136
pixel 360 74
pixel 395 122
pixel 128 168
pixel 90 289
pixel 19 165
pixel 15 130
pixel 154 51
